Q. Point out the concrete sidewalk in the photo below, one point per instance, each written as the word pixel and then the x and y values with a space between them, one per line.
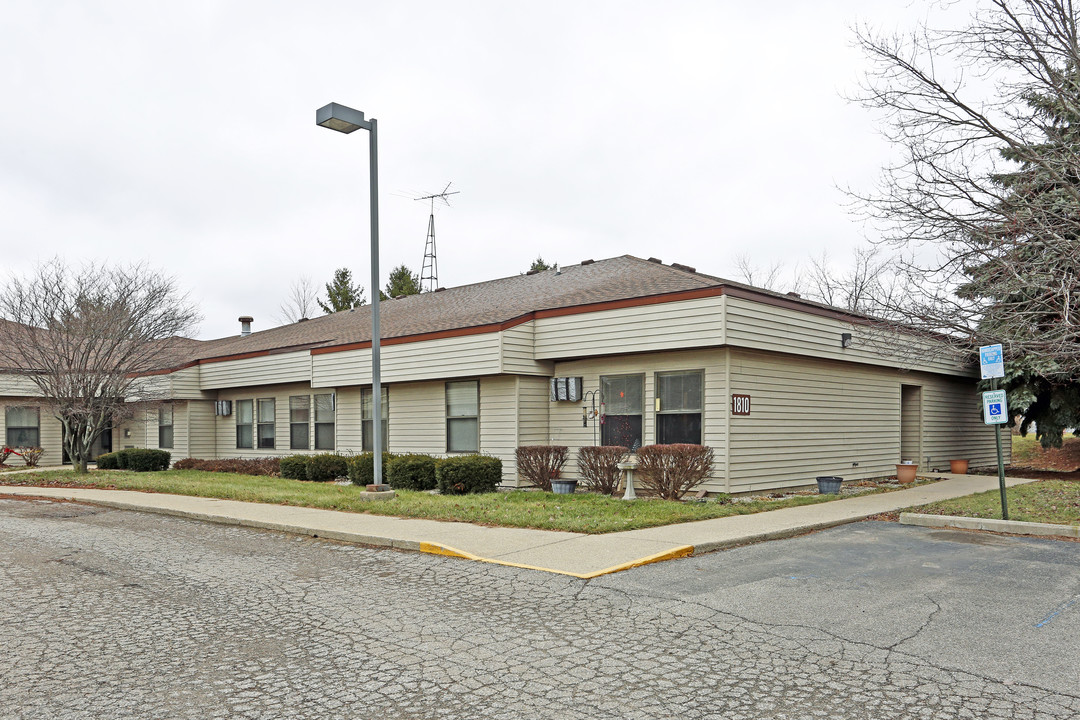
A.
pixel 575 554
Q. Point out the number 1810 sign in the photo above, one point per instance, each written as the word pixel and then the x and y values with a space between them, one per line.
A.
pixel 740 404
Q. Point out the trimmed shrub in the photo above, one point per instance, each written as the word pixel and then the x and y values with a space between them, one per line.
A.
pixel 294 467
pixel 108 461
pixel 411 472
pixel 326 466
pixel 362 468
pixel 463 474
pixel 143 460
pixel 599 467
pixel 671 471
pixel 538 465
pixel 241 466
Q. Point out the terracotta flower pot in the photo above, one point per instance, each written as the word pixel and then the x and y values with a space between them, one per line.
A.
pixel 958 467
pixel 905 473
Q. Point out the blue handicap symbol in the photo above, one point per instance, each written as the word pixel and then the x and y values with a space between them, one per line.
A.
pixel 995 408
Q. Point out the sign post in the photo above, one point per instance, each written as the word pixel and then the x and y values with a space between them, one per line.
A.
pixel 995 409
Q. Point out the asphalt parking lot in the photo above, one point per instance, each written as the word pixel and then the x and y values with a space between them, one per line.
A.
pixel 116 614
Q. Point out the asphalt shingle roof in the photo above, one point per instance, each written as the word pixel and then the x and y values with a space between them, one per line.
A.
pixel 494 301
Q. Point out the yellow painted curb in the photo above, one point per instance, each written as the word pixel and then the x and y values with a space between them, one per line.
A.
pixel 682 551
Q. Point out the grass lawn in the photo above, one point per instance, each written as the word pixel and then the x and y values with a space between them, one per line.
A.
pixel 581 512
pixel 1047 501
pixel 1028 451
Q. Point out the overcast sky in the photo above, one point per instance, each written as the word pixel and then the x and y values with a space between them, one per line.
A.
pixel 182 134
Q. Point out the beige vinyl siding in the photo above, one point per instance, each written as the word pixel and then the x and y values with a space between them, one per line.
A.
pixel 347 420
pixel 181 436
pixel 225 425
pixel 809 418
pixel 202 442
pixel 953 427
pixel 533 406
pixel 265 370
pixel 499 422
pixel 16 386
pixel 687 323
pixel 517 352
pixel 565 426
pixel 759 326
pixel 142 431
pixel 50 431
pixel 418 418
pixel 185 384
pixel 52 439
pixel 407 362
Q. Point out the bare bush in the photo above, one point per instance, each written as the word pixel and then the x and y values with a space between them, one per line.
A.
pixel 538 465
pixel 599 467
pixel 671 471
pixel 270 467
pixel 31 455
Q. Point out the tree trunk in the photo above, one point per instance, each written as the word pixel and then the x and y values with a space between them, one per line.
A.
pixel 79 465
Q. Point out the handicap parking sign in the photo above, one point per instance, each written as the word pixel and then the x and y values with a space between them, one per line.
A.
pixel 991 361
pixel 995 411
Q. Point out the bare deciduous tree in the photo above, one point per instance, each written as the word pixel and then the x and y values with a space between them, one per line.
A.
pixel 984 200
pixel 867 286
pixel 302 302
pixel 763 277
pixel 86 338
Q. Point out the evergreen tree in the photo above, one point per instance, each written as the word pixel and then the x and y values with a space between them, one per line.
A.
pixel 403 281
pixel 1026 280
pixel 341 294
pixel 538 265
pixel 983 201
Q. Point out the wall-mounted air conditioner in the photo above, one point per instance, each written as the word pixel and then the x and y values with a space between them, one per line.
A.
pixel 223 407
pixel 566 389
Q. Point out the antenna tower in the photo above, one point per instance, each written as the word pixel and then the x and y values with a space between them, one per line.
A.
pixel 429 273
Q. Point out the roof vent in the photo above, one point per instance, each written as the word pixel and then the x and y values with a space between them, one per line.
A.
pixel 532 272
pixel 440 289
pixel 245 325
pixel 658 261
pixel 794 295
pixel 302 320
pixel 587 262
pixel 684 268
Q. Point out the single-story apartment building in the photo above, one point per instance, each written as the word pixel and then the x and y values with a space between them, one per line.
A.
pixel 619 351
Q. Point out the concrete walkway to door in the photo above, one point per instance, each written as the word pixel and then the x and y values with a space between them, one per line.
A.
pixel 575 554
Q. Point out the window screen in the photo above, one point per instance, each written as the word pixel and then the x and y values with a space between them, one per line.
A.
pixel 621 396
pixel 463 416
pixel 678 412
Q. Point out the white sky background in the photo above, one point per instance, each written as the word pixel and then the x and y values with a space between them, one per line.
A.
pixel 183 135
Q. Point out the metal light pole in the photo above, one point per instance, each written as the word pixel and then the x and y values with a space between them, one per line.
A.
pixel 345 119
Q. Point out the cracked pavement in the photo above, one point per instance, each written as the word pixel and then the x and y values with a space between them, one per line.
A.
pixel 115 614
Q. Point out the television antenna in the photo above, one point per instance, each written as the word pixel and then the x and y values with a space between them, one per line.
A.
pixel 429 272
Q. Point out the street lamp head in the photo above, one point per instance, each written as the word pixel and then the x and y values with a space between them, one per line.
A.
pixel 341 118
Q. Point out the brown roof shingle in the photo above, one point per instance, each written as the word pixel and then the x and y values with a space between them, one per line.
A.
pixel 468 306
